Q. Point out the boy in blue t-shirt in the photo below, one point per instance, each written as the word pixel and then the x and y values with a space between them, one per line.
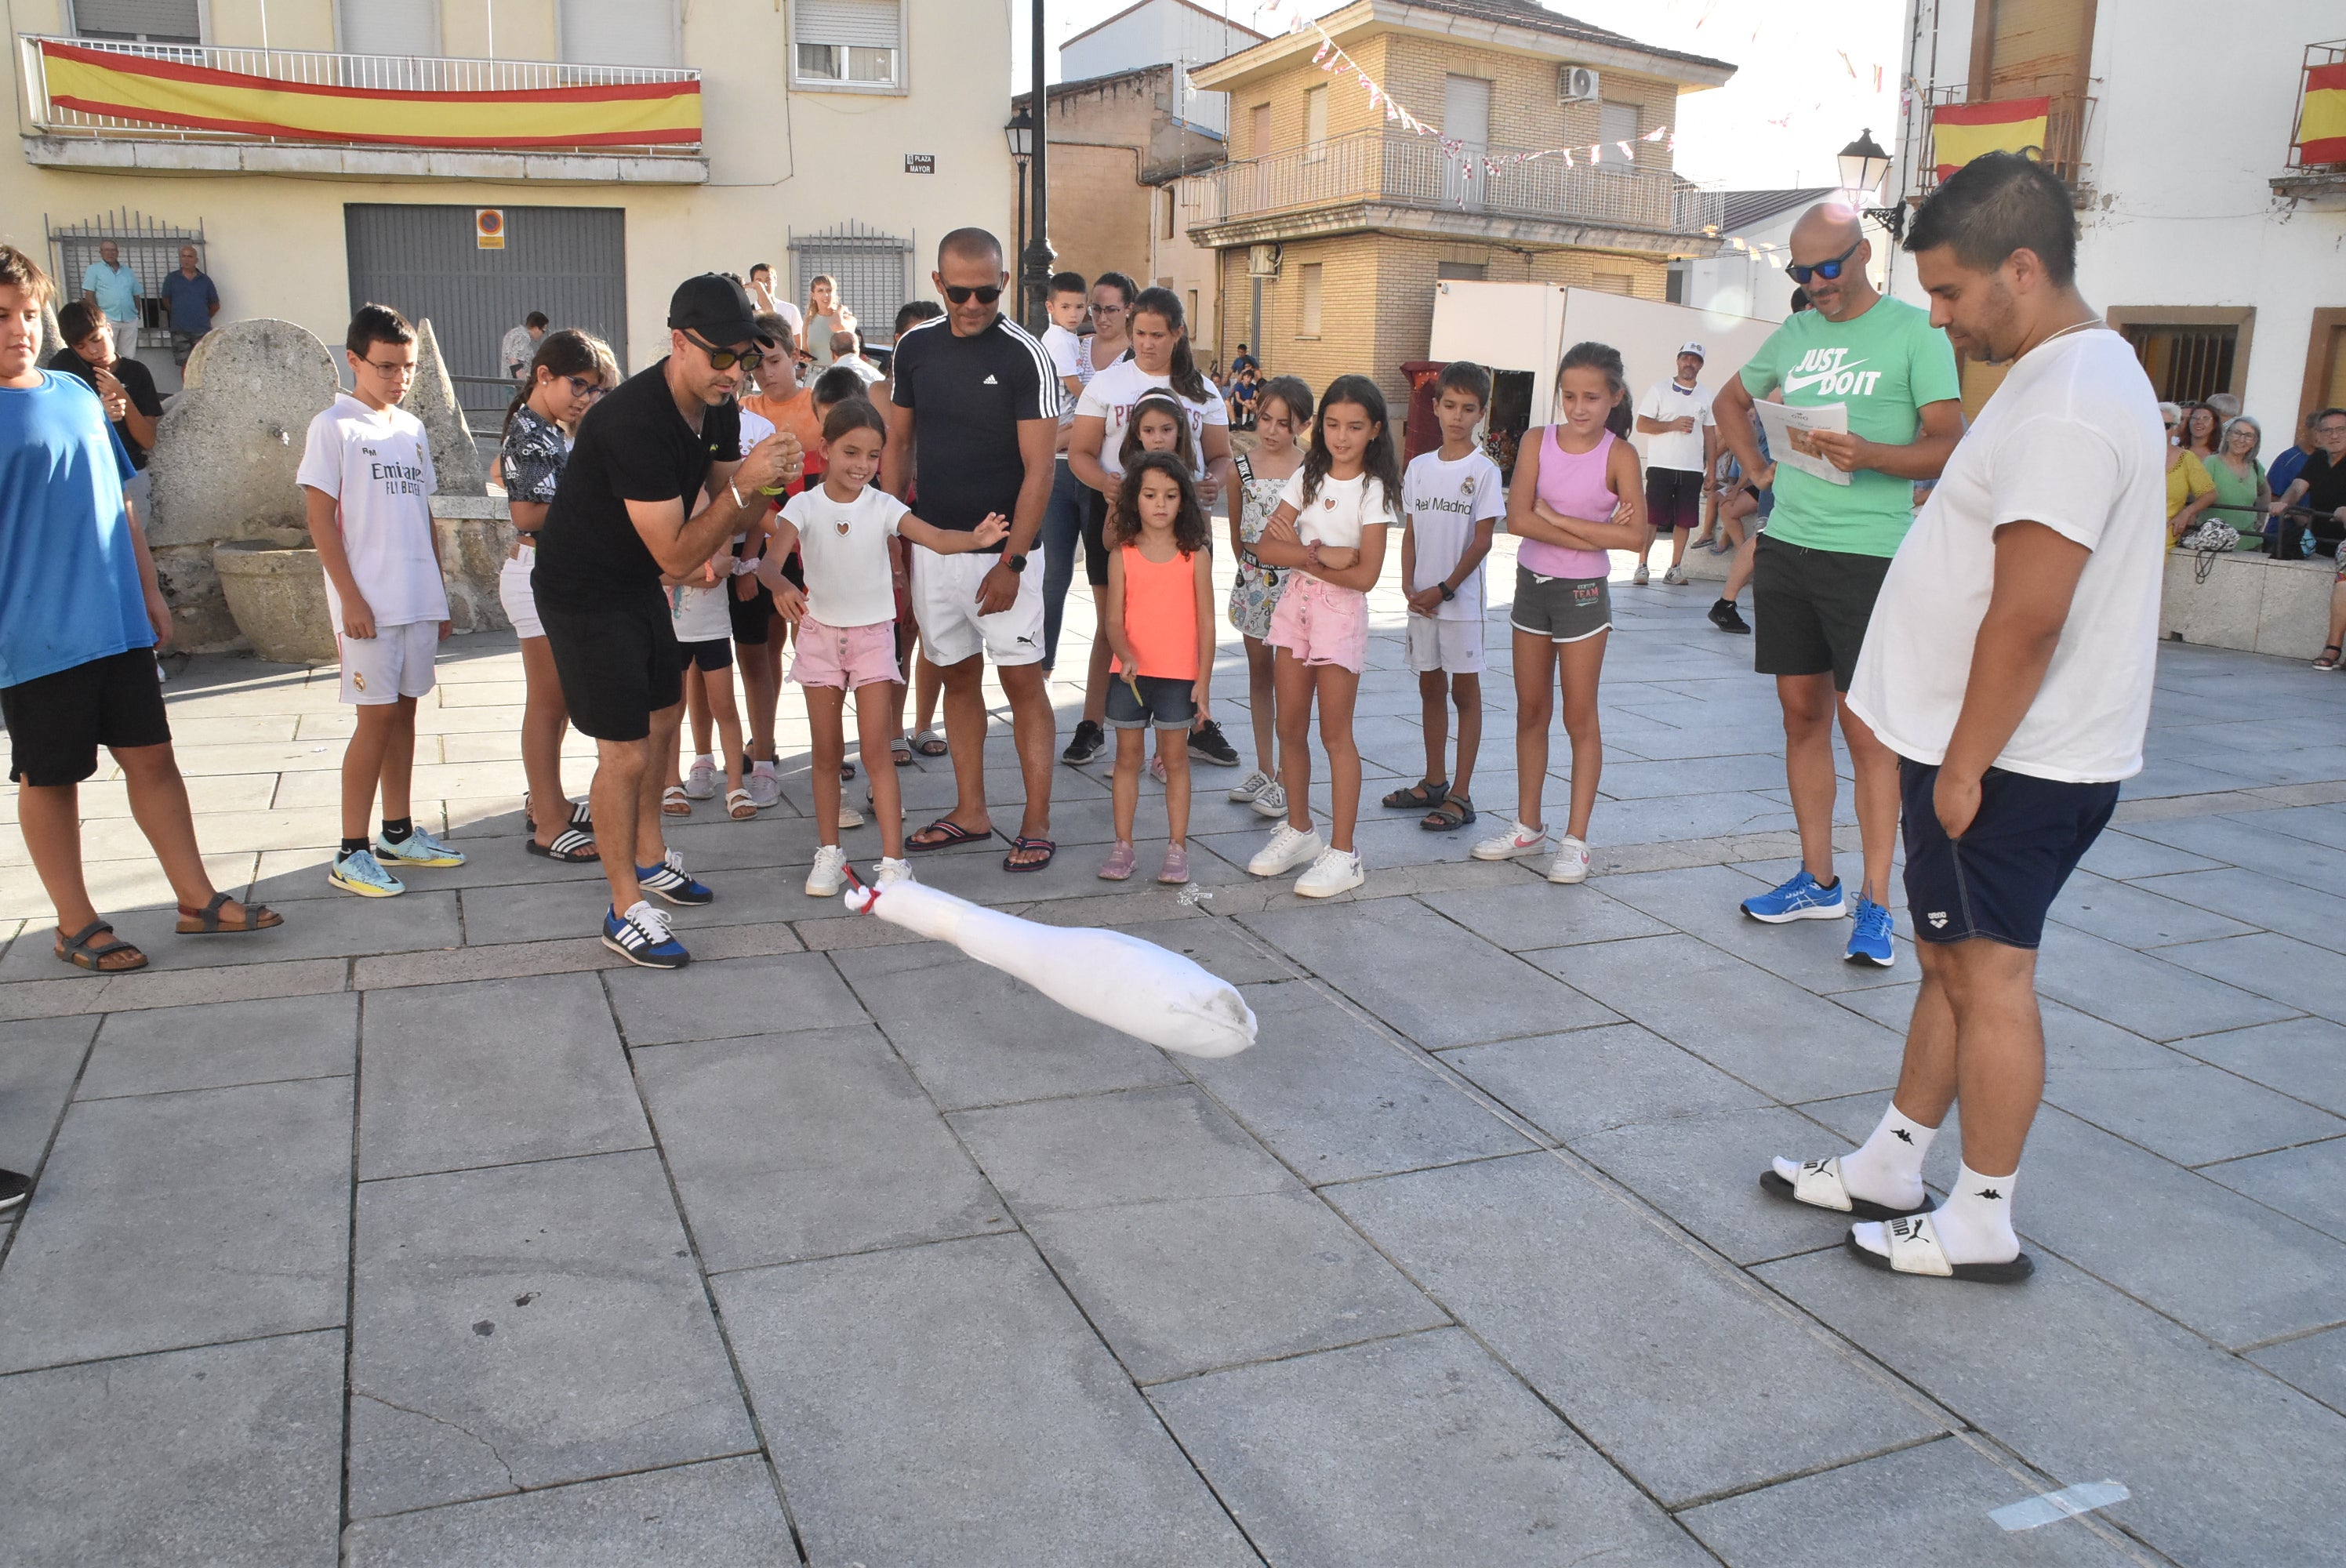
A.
pixel 80 616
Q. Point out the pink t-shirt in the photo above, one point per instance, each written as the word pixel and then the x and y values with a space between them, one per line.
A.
pixel 1573 486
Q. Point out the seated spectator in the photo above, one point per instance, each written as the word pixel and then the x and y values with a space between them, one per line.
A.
pixel 2285 466
pixel 2242 497
pixel 2226 406
pixel 2321 485
pixel 1244 361
pixel 1243 392
pixel 2190 491
pixel 2203 429
pixel 2172 414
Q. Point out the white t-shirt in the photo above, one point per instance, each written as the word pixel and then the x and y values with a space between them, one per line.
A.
pixel 2071 440
pixel 377 465
pixel 1071 353
pixel 1337 513
pixel 1111 393
pixel 755 428
pixel 1443 502
pixel 698 610
pixel 1665 400
pixel 844 548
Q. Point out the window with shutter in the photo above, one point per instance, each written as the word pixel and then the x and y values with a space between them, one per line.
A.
pixel 1617 122
pixel 2023 48
pixel 1261 146
pixel 388 27
pixel 855 44
pixel 1310 325
pixel 619 32
pixel 150 21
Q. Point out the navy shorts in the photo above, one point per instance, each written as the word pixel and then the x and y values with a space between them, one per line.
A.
pixel 1998 879
pixel 1163 704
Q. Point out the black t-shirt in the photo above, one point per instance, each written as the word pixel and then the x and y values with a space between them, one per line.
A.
pixel 2325 482
pixel 632 446
pixel 967 396
pixel 138 385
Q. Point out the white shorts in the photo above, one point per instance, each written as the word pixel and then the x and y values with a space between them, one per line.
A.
pixel 517 595
pixel 395 662
pixel 945 602
pixel 1451 647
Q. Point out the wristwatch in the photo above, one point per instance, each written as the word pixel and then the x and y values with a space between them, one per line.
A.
pixel 1016 563
pixel 1448 593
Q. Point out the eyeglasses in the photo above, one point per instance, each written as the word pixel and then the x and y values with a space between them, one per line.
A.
pixel 580 387
pixel 392 368
pixel 986 293
pixel 1827 271
pixel 724 359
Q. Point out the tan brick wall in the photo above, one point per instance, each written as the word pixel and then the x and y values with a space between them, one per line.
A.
pixel 1524 110
pixel 1099 213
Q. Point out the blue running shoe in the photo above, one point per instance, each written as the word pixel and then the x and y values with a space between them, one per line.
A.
pixel 1800 899
pixel 669 880
pixel 418 849
pixel 359 872
pixel 643 937
pixel 1869 942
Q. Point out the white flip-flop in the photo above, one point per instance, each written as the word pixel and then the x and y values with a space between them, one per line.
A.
pixel 1819 1185
pixel 1912 1243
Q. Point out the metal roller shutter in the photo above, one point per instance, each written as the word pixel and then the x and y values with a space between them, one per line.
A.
pixel 868 24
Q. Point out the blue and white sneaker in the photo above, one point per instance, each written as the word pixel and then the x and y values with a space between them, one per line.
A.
pixel 418 849
pixel 643 937
pixel 359 872
pixel 1800 899
pixel 668 880
pixel 1871 941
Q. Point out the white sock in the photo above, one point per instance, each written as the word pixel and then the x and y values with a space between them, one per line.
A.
pixel 709 758
pixel 1887 1166
pixel 1974 1225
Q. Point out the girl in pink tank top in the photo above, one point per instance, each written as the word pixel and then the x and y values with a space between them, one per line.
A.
pixel 1578 493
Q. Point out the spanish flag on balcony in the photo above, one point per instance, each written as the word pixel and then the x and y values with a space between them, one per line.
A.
pixel 1961 132
pixel 2321 118
pixel 196 97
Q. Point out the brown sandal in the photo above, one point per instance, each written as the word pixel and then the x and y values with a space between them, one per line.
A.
pixel 207 921
pixel 77 950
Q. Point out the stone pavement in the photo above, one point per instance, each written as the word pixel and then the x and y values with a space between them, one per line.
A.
pixel 419 1232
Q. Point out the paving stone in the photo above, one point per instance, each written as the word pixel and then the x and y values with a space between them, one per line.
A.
pixel 1136 1146
pixel 1415 1451
pixel 534 911
pixel 213 1045
pixel 527 1325
pixel 787 1146
pixel 735 996
pixel 227 1454
pixel 948 1403
pixel 1703 1171
pixel 2315 1365
pixel 1484 993
pixel 1716 1390
pixel 974 1036
pixel 1593 1080
pixel 1707 901
pixel 114 885
pixel 2302 1057
pixel 242 982
pixel 492 1072
pixel 1336 1099
pixel 2292 908
pixel 2165 1100
pixel 2305 977
pixel 1523 915
pixel 1740 1019
pixel 722 1512
pixel 2099 1388
pixel 224 1214
pixel 2238 841
pixel 1934 1499
pixel 2158 998
pixel 2117 853
pixel 2135 916
pixel 2307 1183
pixel 38 1060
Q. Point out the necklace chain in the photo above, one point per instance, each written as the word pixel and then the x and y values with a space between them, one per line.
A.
pixel 2072 327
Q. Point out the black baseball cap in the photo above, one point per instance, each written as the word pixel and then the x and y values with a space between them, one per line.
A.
pixel 717 308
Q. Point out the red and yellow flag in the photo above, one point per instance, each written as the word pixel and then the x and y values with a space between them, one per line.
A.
pixel 1961 132
pixel 2321 117
pixel 197 98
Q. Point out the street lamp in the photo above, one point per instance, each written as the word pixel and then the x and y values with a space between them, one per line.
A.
pixel 1863 164
pixel 1021 134
pixel 1037 255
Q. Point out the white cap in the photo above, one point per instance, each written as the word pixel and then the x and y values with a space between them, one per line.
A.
pixel 1694 349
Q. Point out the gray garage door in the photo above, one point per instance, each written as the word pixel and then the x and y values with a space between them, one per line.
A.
pixel 567 262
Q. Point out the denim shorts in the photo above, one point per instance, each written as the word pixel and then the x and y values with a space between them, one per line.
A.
pixel 2000 877
pixel 1163 704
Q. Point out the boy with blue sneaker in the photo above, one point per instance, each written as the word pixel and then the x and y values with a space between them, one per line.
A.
pixel 367 480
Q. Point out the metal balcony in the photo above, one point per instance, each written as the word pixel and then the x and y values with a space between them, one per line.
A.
pixel 2312 174
pixel 2066 117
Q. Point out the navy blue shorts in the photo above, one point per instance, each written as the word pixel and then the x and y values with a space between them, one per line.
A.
pixel 1162 704
pixel 2000 877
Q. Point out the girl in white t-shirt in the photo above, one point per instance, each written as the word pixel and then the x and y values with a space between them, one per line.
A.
pixel 1330 527
pixel 846 620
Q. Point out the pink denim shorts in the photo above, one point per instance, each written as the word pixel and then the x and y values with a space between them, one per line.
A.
pixel 1319 623
pixel 844 657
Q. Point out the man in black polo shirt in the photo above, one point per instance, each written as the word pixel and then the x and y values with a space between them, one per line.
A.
pixel 973 418
pixel 630 507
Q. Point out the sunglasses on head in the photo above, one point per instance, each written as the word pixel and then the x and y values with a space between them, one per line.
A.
pixel 1827 271
pixel 725 359
pixel 986 293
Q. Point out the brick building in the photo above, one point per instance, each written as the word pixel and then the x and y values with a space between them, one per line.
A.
pixel 1362 218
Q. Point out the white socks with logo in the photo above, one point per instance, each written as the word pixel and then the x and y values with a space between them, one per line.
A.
pixel 1974 1225
pixel 1888 1168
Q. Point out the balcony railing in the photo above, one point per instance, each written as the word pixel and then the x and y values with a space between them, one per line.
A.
pixel 365 74
pixel 2317 144
pixel 2067 115
pixel 1402 171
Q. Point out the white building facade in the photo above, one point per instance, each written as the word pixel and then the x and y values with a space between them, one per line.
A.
pixel 1155 33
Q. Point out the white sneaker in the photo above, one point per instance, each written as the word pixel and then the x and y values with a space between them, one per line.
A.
pixel 1272 802
pixel 829 874
pixel 1335 872
pixel 1675 577
pixel 848 816
pixel 1639 576
pixel 1571 862
pixel 764 785
pixel 1516 841
pixel 700 784
pixel 1287 849
pixel 1250 787
pixel 888 874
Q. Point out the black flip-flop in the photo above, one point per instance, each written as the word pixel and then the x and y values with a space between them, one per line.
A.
pixel 954 834
pixel 1022 842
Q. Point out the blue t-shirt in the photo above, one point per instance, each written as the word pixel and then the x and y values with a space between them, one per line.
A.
pixel 69 588
pixel 190 302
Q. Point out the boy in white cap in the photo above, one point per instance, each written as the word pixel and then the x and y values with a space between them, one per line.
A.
pixel 1682 448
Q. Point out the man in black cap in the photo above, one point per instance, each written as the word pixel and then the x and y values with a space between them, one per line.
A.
pixel 657 483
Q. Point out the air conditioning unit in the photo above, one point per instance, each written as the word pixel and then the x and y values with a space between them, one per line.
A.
pixel 1263 260
pixel 1575 85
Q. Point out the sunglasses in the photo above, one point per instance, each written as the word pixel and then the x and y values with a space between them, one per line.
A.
pixel 580 387
pixel 986 293
pixel 725 359
pixel 1827 271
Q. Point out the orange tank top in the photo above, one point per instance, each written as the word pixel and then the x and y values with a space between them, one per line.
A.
pixel 1160 615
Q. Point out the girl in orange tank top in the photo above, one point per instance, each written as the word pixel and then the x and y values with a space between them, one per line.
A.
pixel 1160 625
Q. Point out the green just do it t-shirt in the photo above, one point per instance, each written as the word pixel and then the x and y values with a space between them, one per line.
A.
pixel 1884 365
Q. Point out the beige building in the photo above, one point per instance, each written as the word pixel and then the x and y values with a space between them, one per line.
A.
pixel 1332 225
pixel 820 136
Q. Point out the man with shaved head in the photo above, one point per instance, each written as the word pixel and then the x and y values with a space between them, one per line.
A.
pixel 1828 545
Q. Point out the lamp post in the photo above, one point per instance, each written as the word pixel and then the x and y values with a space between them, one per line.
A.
pixel 1021 134
pixel 1036 258
pixel 1863 164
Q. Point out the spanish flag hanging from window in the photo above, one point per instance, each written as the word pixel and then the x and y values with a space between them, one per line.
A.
pixel 1961 132
pixel 2321 117
pixel 163 92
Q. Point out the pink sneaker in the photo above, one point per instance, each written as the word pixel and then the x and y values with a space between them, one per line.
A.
pixel 1175 866
pixel 1118 864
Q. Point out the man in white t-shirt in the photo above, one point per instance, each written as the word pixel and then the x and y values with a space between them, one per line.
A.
pixel 1681 449
pixel 2009 665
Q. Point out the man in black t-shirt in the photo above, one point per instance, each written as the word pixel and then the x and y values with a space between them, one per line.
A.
pixel 657 483
pixel 973 418
pixel 124 386
pixel 2321 483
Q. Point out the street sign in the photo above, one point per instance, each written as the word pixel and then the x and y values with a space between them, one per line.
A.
pixel 489 228
pixel 920 163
